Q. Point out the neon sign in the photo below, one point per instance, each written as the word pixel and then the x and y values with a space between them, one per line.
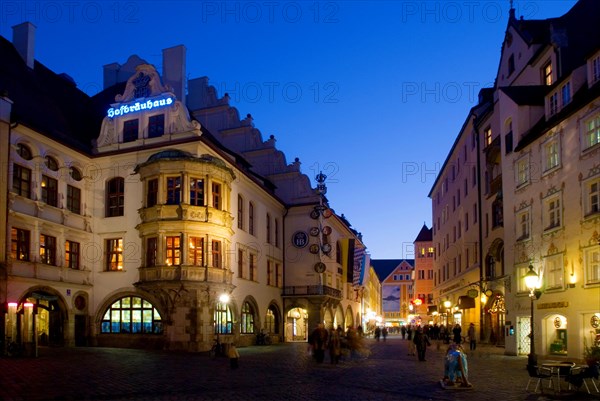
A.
pixel 139 106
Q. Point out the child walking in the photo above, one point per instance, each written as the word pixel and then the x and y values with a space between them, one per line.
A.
pixel 233 355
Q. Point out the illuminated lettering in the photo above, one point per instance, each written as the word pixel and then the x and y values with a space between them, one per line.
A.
pixel 138 106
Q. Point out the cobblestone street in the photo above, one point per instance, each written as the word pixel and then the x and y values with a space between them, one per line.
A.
pixel 277 372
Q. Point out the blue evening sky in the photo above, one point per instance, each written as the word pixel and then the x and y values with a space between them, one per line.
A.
pixel 371 92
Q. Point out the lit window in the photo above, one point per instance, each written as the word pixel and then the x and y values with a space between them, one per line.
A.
pixel 592 132
pixel 547 74
pixel 72 255
pixel 223 319
pixel 114 254
pixel 247 326
pixel 196 251
pixel 19 244
pixel 132 315
pixel 271 321
pixel 173 251
pixel 48 249
pixel 49 191
pixel 551 151
pixel 522 170
pixel 488 136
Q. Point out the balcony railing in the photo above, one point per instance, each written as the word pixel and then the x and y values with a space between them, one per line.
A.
pixel 187 273
pixel 307 290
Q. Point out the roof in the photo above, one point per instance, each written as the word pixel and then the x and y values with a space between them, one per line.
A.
pixel 425 235
pixel 526 95
pixel 385 267
pixel 47 102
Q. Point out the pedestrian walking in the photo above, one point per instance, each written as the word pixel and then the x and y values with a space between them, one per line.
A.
pixel 335 346
pixel 472 337
pixel 384 333
pixel 456 332
pixel 233 355
pixel 421 341
pixel 318 340
pixel 403 331
pixel 377 333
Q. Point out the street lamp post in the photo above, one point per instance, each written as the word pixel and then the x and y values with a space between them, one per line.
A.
pixel 532 283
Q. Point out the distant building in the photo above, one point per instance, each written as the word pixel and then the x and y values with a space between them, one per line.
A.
pixel 397 291
pixel 423 303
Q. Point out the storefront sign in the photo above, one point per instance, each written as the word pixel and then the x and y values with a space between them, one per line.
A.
pixel 139 106
pixel 553 305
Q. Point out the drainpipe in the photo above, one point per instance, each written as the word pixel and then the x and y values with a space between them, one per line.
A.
pixel 480 231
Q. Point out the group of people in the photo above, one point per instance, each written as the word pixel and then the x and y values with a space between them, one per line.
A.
pixel 441 332
pixel 336 342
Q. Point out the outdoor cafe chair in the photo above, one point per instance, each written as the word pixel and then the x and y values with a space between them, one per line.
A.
pixel 539 373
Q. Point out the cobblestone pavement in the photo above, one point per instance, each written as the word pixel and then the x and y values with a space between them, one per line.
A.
pixel 275 372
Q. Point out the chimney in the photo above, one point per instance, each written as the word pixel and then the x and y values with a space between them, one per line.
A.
pixel 24 41
pixel 174 70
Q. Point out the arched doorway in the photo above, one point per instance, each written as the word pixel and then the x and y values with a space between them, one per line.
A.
pixel 39 316
pixel 296 325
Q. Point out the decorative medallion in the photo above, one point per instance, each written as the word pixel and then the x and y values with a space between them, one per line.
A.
pixel 595 321
pixel 79 302
pixel 326 248
pixel 326 230
pixel 300 239
pixel 314 214
pixel 320 267
pixel 557 322
pixel 314 248
pixel 327 213
pixel 314 231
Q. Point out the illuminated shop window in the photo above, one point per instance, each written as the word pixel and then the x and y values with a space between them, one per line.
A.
pixel 223 319
pixel 247 319
pixel 132 315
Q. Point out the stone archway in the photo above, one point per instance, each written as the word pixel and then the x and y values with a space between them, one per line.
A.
pixel 52 324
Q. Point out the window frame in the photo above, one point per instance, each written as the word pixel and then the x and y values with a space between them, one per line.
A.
pixel 152 192
pixel 48 249
pixel 173 189
pixel 146 312
pixel 523 228
pixel 115 260
pixel 129 127
pixel 216 253
pixel 73 199
pixel 115 197
pixel 173 250
pixel 553 213
pixel 196 251
pixel 522 171
pixel 156 125
pixel 21 185
pixel 72 254
pixel 216 195
pixel 20 244
pixel 591 197
pixel 197 191
pixel 554 272
pixel 551 154
pixel 591 263
pixel 251 218
pixel 240 216
pixel 247 319
pixel 49 190
pixel 151 252
pixel 590 136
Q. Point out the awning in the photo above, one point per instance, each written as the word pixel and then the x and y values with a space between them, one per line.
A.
pixel 431 309
pixel 465 302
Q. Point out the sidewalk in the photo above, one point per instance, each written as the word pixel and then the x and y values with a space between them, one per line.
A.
pixel 275 372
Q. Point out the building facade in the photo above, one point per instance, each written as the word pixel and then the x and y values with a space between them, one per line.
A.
pixel 536 156
pixel 146 216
